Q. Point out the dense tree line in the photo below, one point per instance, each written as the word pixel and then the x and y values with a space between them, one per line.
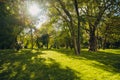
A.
pixel 71 24
pixel 10 24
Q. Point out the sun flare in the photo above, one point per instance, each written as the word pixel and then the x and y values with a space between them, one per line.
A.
pixel 38 12
pixel 34 9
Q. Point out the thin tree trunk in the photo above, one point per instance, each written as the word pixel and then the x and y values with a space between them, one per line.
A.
pixel 47 45
pixel 104 44
pixel 78 17
pixel 31 39
pixel 74 39
pixel 105 36
pixel 75 46
pixel 79 47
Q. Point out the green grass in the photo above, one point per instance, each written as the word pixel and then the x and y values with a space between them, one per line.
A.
pixel 59 65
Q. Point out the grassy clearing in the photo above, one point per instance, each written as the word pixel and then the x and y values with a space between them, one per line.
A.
pixel 59 65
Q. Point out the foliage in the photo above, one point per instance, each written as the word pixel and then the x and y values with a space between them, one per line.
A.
pixel 10 24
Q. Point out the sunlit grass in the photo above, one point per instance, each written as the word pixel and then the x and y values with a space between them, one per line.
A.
pixel 85 68
pixel 115 51
pixel 59 65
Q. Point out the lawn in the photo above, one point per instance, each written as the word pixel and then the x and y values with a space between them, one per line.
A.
pixel 59 65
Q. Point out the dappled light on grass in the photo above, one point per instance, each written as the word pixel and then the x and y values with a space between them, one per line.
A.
pixel 59 65
pixel 115 51
pixel 31 64
pixel 93 65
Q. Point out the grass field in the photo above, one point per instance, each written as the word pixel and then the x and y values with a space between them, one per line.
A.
pixel 59 65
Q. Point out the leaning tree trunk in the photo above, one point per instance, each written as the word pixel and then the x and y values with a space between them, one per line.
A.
pixel 75 45
pixel 78 17
pixel 74 38
pixel 92 41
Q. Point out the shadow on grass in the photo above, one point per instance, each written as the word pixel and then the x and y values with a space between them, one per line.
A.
pixel 109 61
pixel 28 65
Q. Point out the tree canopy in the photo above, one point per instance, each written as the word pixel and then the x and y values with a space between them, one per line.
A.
pixel 71 24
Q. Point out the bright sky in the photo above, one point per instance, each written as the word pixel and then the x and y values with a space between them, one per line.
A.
pixel 42 19
pixel 36 11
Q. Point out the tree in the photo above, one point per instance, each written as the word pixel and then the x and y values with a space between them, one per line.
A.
pixel 66 13
pixel 111 32
pixel 10 24
pixel 95 11
pixel 78 17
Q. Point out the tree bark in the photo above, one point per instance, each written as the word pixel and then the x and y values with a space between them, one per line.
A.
pixel 92 41
pixel 105 36
pixel 104 44
pixel 78 17
pixel 74 39
pixel 75 45
pixel 31 38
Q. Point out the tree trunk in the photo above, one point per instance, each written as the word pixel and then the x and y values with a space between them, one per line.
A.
pixel 92 41
pixel 104 44
pixel 75 45
pixel 31 38
pixel 78 17
pixel 47 45
pixel 105 36
pixel 72 27
pixel 74 38
pixel 79 47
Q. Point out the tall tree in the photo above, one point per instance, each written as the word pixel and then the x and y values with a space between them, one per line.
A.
pixel 10 23
pixel 96 11
pixel 71 24
pixel 78 17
